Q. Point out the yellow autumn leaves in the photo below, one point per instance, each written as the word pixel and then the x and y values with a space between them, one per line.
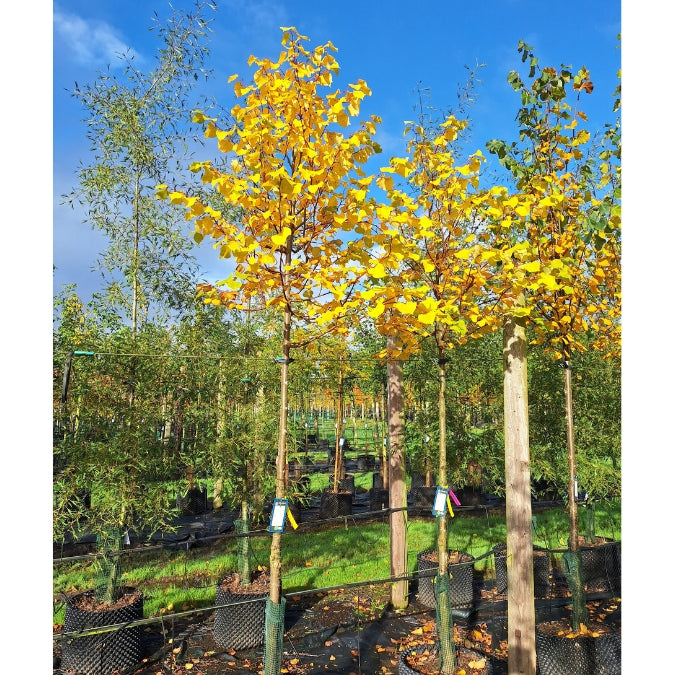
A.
pixel 433 250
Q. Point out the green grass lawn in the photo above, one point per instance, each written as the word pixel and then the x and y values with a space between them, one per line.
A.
pixel 174 581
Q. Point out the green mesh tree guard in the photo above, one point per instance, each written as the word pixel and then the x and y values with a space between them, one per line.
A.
pixel 108 574
pixel 243 551
pixel 274 636
pixel 571 563
pixel 444 627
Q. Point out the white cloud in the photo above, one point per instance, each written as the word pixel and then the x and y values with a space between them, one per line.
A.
pixel 87 41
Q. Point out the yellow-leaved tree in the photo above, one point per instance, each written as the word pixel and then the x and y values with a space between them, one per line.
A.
pixel 298 178
pixel 562 229
pixel 430 278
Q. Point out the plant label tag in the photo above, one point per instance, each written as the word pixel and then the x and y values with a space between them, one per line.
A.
pixel 278 515
pixel 440 501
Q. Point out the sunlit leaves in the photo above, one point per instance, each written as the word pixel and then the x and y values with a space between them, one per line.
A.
pixel 295 177
pixel 567 211
pixel 377 271
pixel 429 274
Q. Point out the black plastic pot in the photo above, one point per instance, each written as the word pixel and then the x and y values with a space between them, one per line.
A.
pixel 601 563
pixel 240 625
pixel 193 503
pixel 470 496
pixel 334 504
pixel 347 484
pixel 378 480
pixel 583 655
pixel 423 497
pixel 461 579
pixel 103 653
pixel 379 499
pixel 541 564
pixel 417 480
pixel 405 669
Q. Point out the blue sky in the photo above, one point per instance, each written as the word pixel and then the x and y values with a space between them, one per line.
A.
pixel 392 45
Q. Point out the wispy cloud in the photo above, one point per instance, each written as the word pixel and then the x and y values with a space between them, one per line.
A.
pixel 88 42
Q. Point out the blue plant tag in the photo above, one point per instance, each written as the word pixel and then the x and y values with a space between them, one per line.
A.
pixel 278 515
pixel 440 502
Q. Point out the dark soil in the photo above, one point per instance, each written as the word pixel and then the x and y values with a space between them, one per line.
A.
pixel 562 627
pixel 426 661
pixel 88 603
pixel 454 557
pixel 260 583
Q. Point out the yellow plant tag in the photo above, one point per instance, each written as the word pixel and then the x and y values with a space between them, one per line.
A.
pixel 291 520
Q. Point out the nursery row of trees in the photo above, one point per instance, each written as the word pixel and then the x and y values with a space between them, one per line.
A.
pixel 414 263
pixel 206 393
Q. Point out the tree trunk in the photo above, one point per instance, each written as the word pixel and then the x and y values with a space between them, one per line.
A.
pixel 376 431
pixel 259 455
pixel 275 545
pixel 573 571
pixel 245 548
pixel 384 461
pixel 354 434
pixel 338 428
pixel 218 483
pixel 444 611
pixel 398 544
pixel 571 459
pixel 218 486
pixel 520 574
pixel 442 469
